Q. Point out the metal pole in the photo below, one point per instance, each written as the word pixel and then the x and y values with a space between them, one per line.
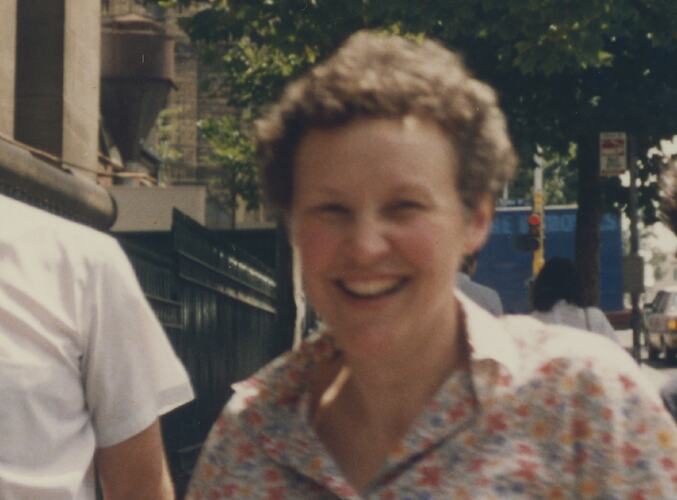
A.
pixel 539 254
pixel 634 246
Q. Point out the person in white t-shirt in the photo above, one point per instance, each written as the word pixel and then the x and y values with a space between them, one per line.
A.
pixel 85 367
pixel 668 214
pixel 556 300
pixel 486 297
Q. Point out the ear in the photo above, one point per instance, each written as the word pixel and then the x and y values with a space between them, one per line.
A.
pixel 478 226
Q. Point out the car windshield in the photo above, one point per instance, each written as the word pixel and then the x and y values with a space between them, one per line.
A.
pixel 658 302
pixel 671 304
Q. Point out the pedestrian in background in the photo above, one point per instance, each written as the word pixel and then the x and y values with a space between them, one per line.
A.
pixel 482 295
pixel 85 368
pixel 668 213
pixel 556 300
pixel 385 160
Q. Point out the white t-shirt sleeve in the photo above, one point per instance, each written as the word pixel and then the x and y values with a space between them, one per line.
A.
pixel 131 373
pixel 600 324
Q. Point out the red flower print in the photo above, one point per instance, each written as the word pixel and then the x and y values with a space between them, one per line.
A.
pixel 580 429
pixel 227 490
pixel 476 465
pixel 630 454
pixel 496 422
pixel 483 482
pixel 254 419
pixel 344 490
pixel 220 426
pixel 527 470
pixel 523 410
pixel 667 463
pixel 245 451
pixel 288 399
pixel 547 369
pixel 550 400
pixel 525 449
pixel 272 475
pixel 504 380
pixel 627 383
pixel 638 495
pixel 456 413
pixel 595 390
pixel 276 493
pixel 581 456
pixel 430 476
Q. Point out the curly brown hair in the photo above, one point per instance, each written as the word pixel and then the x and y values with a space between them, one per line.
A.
pixel 373 75
pixel 668 205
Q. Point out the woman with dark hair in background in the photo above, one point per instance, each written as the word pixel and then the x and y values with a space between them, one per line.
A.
pixel 556 300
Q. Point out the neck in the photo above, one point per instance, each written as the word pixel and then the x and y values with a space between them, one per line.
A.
pixel 388 389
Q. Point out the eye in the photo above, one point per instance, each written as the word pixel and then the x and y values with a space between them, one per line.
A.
pixel 406 205
pixel 330 211
pixel 331 208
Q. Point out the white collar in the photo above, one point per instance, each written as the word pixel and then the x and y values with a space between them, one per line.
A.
pixel 488 336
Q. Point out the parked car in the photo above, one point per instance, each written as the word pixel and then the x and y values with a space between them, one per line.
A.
pixel 660 319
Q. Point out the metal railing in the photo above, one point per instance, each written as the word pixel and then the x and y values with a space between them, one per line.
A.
pixel 217 305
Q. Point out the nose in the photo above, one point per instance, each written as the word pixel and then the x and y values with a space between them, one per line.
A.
pixel 367 240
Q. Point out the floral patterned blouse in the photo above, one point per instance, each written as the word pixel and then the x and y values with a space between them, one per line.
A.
pixel 543 412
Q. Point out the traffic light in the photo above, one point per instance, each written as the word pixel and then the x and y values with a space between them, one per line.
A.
pixel 531 241
pixel 534 221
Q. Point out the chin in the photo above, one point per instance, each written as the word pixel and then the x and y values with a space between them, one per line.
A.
pixel 362 340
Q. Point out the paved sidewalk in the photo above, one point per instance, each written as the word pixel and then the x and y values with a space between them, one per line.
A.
pixel 656 376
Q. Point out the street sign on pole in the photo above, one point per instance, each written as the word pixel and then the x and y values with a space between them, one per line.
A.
pixel 612 153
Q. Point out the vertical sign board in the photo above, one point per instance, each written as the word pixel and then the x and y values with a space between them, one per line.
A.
pixel 612 153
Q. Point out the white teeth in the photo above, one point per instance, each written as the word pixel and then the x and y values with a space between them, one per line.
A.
pixel 372 287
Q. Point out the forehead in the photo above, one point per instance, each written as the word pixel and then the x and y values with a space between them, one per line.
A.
pixel 375 151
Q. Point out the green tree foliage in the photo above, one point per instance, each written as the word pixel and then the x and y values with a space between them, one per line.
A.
pixel 565 70
pixel 559 178
pixel 165 132
pixel 231 149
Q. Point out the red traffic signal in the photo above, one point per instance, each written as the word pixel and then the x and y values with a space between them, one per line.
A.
pixel 531 241
pixel 534 220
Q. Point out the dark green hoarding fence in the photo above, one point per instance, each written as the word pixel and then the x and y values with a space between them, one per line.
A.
pixel 217 304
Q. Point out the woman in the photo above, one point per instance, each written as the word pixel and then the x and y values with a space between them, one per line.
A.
pixel 385 160
pixel 557 300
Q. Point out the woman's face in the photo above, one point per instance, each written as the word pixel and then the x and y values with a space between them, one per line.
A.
pixel 381 230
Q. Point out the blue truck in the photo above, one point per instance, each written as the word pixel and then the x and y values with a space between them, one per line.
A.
pixel 508 270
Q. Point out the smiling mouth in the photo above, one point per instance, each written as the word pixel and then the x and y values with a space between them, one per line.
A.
pixel 372 288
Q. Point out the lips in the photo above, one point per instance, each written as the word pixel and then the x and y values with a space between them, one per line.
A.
pixel 369 289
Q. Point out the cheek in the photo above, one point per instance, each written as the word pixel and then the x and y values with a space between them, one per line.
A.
pixel 316 245
pixel 431 244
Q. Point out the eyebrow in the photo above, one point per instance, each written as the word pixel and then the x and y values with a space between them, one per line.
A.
pixel 328 190
pixel 411 190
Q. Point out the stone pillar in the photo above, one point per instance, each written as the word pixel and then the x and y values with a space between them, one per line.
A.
pixel 81 82
pixel 58 74
pixel 39 74
pixel 7 68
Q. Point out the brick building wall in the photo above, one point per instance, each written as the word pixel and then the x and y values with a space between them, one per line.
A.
pixel 197 95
